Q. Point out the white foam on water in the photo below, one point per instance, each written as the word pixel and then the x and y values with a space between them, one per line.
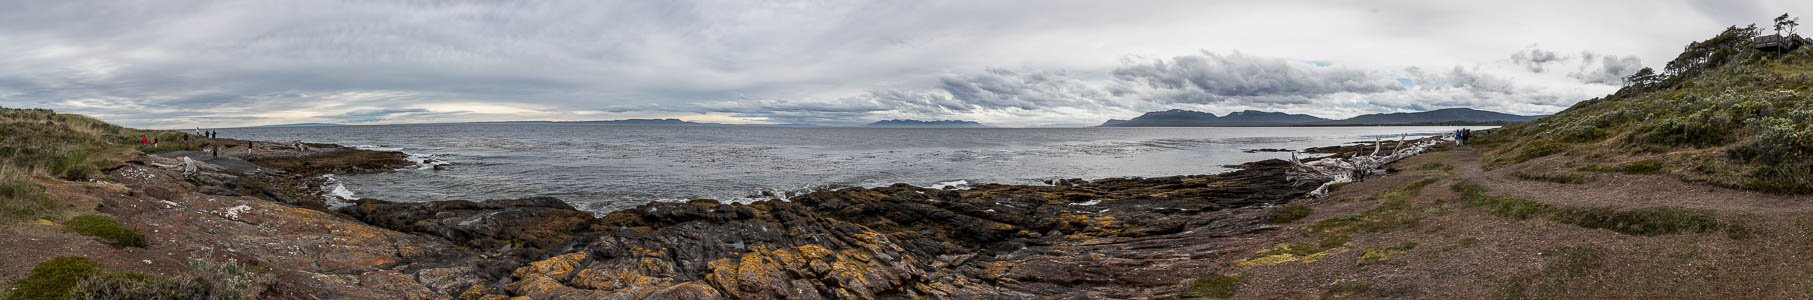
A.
pixel 337 195
pixel 377 148
pixel 958 184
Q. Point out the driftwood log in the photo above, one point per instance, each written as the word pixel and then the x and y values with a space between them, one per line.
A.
pixel 1358 167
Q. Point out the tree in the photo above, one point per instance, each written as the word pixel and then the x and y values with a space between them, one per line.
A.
pixel 1786 23
pixel 1643 77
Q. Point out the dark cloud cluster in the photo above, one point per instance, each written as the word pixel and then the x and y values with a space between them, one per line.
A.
pixel 1220 77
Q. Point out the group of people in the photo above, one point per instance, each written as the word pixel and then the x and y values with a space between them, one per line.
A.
pixel 1462 135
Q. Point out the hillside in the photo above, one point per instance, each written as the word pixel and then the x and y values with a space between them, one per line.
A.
pixel 925 124
pixel 1433 116
pixel 1721 113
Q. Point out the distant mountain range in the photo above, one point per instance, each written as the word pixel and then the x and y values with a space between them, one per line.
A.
pixel 299 125
pixel 645 122
pixel 1185 118
pixel 925 124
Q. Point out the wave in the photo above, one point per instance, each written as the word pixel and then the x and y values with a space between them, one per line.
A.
pixel 336 194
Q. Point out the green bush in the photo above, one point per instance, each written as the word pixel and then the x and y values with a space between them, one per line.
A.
pixel 105 228
pixel 53 279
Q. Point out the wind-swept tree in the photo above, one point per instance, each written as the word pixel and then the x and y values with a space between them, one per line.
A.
pixel 1786 23
pixel 1643 77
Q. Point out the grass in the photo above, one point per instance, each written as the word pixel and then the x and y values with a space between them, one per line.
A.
pixel 20 199
pixel 72 277
pixel 1394 211
pixel 1549 174
pixel 1435 166
pixel 1347 290
pixel 1651 221
pixel 1566 264
pixel 105 228
pixel 1381 254
pixel 1214 286
pixel 1647 166
pixel 53 279
pixel 1290 213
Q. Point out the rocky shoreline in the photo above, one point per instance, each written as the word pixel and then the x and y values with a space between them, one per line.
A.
pixel 1107 238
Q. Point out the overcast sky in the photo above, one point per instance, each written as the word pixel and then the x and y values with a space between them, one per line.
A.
pixel 180 64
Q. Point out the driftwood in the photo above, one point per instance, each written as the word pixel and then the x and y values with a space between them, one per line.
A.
pixel 1358 167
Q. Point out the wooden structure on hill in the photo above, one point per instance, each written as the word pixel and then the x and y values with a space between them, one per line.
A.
pixel 1778 43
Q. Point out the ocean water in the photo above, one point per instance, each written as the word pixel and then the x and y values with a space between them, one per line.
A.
pixel 603 168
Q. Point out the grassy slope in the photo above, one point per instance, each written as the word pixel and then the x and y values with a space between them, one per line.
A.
pixel 36 142
pixel 1722 114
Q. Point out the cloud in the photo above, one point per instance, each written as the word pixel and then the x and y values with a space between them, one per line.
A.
pixel 1535 59
pixel 1606 69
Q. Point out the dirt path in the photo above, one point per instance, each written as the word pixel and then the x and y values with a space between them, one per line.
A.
pixel 1434 245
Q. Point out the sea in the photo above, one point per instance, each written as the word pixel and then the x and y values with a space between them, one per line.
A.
pixel 603 168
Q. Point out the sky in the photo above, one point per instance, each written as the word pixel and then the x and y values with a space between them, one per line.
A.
pixel 184 64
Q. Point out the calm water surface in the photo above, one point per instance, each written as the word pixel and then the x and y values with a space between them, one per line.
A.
pixel 602 168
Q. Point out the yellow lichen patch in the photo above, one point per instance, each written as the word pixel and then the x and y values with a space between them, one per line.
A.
pixel 476 291
pixel 1381 254
pixel 1283 253
pixel 652 265
pixel 44 222
pixel 814 251
pixel 995 269
pixel 1072 222
pixel 536 284
pixel 613 279
pixel 1106 225
pixel 787 257
pixel 724 275
pixel 556 267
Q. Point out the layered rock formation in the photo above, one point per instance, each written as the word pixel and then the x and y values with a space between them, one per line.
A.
pixel 1112 237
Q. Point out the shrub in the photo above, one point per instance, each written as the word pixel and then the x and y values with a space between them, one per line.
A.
pixel 1214 286
pixel 1290 213
pixel 105 228
pixel 228 280
pixel 1697 130
pixel 140 286
pixel 71 277
pixel 53 279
